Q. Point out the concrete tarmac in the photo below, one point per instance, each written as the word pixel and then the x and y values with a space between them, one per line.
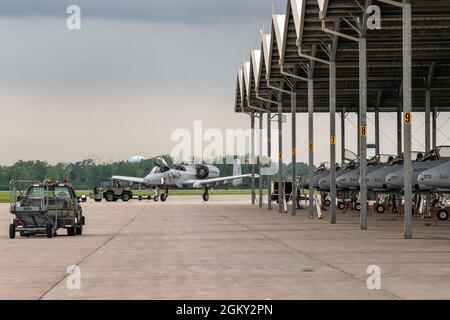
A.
pixel 225 249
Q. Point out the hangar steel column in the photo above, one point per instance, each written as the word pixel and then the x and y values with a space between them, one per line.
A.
pixel 311 143
pixel 260 140
pixel 343 116
pixel 435 112
pixel 252 157
pixel 399 128
pixel 294 147
pixel 333 140
pixel 363 127
pixel 377 124
pixel 407 113
pixel 358 133
pixel 427 119
pixel 269 155
pixel 428 82
pixel 280 155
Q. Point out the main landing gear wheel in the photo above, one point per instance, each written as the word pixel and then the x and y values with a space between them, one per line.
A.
pixel 163 197
pixel 156 199
pixel 358 207
pixel 205 197
pixel 327 203
pixel 381 209
pixel 442 215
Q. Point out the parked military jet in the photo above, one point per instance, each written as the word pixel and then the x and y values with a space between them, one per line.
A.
pixel 350 180
pixel 195 176
pixel 437 178
pixel 324 182
pixel 318 174
pixel 376 180
pixel 434 158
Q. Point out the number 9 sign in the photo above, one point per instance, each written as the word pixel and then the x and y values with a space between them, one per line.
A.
pixel 408 117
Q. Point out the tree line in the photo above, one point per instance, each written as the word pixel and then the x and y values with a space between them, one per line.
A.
pixel 86 174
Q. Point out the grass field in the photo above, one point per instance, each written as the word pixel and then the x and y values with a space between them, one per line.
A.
pixel 4 195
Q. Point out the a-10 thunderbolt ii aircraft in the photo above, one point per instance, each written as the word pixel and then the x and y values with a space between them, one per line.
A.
pixel 434 158
pixel 437 179
pixel 376 180
pixel 196 176
pixel 350 180
pixel 353 163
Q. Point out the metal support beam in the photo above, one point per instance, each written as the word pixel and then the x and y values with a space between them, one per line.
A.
pixel 399 128
pixel 252 157
pixel 434 134
pixel 427 138
pixel 311 145
pixel 343 116
pixel 269 155
pixel 280 156
pixel 377 131
pixel 294 147
pixel 407 111
pixel 333 194
pixel 363 129
pixel 377 124
pixel 358 152
pixel 260 142
pixel 427 120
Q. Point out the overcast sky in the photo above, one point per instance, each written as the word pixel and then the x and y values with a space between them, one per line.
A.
pixel 134 73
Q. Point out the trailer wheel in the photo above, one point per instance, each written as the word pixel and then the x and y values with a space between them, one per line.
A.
pixel 49 231
pixel 358 207
pixel 126 197
pixel 71 232
pixel 381 209
pixel 12 231
pixel 442 215
pixel 341 206
pixel 327 203
pixel 109 196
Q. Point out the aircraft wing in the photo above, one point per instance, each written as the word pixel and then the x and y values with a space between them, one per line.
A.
pixel 129 179
pixel 222 180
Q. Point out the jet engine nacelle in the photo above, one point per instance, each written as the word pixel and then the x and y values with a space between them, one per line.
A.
pixel 185 168
pixel 204 171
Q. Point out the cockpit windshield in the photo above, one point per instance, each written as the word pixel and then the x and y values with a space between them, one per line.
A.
pixel 321 168
pixel 444 152
pixel 350 156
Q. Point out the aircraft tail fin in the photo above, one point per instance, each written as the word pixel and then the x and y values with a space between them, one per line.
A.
pixel 237 171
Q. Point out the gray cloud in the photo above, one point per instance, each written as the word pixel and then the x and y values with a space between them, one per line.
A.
pixel 185 11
